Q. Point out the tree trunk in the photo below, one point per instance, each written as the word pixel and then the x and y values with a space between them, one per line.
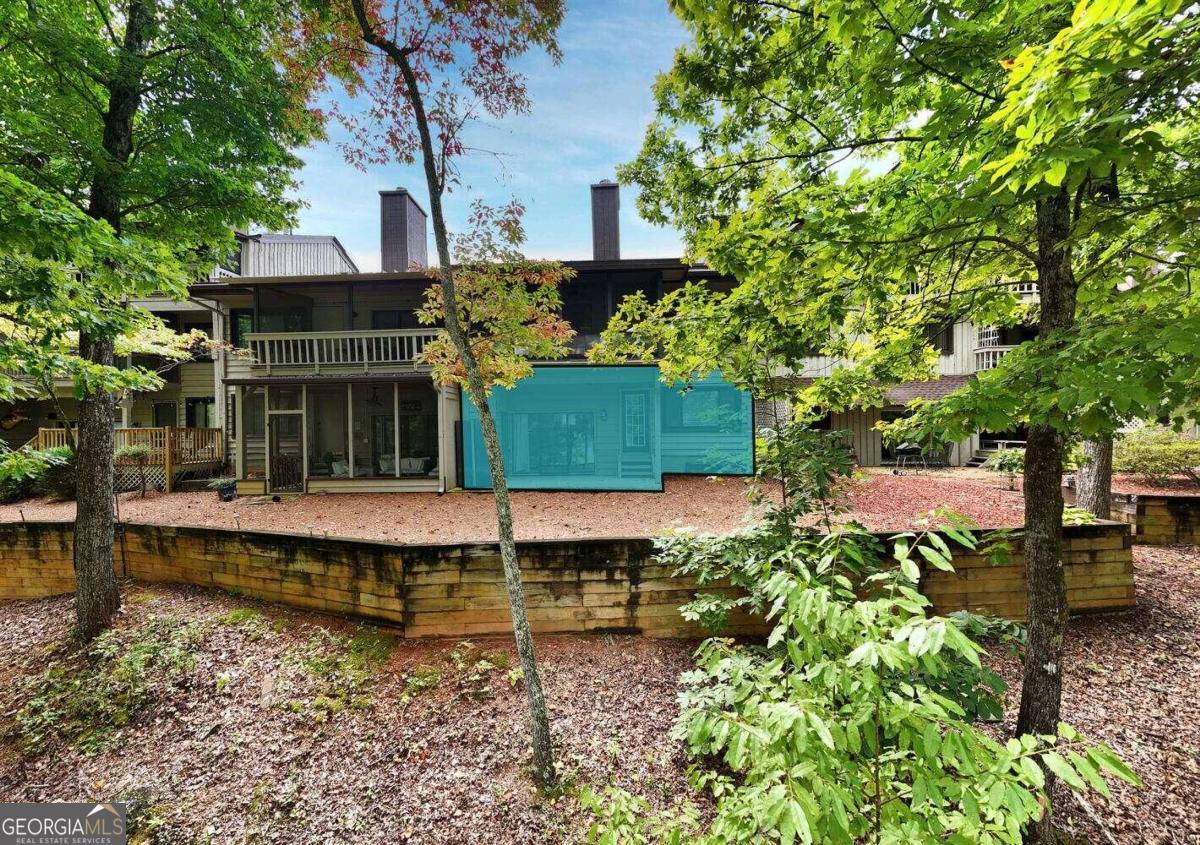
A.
pixel 539 721
pixel 96 595
pixel 1093 480
pixel 1041 688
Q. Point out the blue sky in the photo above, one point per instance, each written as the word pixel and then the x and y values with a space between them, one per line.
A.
pixel 588 116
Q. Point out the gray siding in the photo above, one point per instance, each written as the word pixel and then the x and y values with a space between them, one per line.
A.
pixel 293 255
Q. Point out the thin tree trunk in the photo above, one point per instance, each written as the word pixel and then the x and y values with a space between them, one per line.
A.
pixel 97 596
pixel 1041 689
pixel 1093 480
pixel 539 722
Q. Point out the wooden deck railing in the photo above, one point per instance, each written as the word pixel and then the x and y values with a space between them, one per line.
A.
pixel 175 450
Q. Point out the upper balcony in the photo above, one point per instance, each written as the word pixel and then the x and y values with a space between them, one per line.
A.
pixel 364 350
pixel 987 357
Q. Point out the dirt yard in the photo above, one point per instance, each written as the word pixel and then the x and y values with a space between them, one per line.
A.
pixel 881 500
pixel 234 721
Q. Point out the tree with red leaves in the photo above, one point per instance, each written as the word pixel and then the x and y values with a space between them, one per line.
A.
pixel 427 69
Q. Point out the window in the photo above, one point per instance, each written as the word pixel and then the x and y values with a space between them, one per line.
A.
pixel 562 443
pixel 703 409
pixel 200 412
pixel 635 421
pixel 285 318
pixel 394 318
pixel 941 337
pixel 165 413
pixel 241 323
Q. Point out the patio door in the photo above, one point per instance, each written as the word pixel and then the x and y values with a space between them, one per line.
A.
pixel 285 455
pixel 635 422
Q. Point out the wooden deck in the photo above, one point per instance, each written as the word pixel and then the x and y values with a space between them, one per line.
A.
pixel 173 451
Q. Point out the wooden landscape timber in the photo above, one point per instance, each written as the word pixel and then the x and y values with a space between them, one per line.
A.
pixel 455 590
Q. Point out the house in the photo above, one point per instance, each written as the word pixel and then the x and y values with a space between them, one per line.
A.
pixel 190 396
pixel 964 350
pixel 325 392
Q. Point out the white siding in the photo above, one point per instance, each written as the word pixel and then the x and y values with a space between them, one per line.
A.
pixel 293 256
pixel 866 441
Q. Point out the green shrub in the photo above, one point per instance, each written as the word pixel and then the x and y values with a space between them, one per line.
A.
pixel 23 472
pixel 1010 461
pixel 857 720
pixel 1157 455
pixel 87 696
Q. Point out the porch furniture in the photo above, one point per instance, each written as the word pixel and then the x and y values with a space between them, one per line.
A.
pixel 414 466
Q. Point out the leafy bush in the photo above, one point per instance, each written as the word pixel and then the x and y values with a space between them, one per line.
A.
pixel 59 480
pixel 856 721
pixel 23 472
pixel 1158 454
pixel 1010 461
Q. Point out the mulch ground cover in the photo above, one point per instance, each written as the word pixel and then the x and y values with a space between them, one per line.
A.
pixel 252 723
pixel 882 501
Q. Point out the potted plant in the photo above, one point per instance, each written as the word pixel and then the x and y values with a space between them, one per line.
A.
pixel 226 488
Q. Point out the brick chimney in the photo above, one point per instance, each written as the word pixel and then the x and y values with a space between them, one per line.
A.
pixel 606 225
pixel 402 238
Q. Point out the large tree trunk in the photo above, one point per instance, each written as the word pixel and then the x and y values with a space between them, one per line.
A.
pixel 1093 480
pixel 1041 689
pixel 96 594
pixel 539 720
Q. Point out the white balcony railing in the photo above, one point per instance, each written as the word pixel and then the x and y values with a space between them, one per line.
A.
pixel 365 350
pixel 987 357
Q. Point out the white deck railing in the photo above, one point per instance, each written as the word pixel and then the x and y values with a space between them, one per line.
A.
pixel 338 350
pixel 987 357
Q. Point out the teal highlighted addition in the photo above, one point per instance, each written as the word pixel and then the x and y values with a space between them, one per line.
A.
pixel 610 428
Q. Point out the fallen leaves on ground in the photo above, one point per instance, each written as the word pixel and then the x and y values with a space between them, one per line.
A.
pixel 224 750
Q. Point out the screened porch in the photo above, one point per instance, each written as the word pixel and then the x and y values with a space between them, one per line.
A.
pixel 374 435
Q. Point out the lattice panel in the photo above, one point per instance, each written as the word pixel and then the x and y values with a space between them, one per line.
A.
pixel 127 478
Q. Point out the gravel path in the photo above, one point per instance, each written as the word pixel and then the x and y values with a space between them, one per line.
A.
pixel 883 502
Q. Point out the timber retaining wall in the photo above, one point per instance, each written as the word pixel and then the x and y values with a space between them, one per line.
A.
pixel 610 585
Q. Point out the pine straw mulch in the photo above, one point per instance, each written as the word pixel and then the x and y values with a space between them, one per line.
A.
pixel 882 501
pixel 295 728
pixel 1133 681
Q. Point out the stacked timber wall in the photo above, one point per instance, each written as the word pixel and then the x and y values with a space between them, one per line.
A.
pixel 458 590
pixel 1159 520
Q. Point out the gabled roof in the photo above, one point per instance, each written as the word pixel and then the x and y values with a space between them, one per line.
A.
pixel 934 389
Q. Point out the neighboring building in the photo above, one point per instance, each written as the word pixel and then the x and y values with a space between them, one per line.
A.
pixel 328 395
pixel 322 390
pixel 964 350
pixel 192 395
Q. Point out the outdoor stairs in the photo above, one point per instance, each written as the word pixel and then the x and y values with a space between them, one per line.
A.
pixel 980 457
pixel 984 452
pixel 636 467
